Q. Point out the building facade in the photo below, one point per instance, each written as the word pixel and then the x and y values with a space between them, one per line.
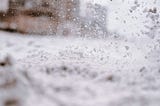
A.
pixel 51 17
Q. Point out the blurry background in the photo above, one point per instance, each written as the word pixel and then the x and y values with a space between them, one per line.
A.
pixel 60 17
pixel 130 18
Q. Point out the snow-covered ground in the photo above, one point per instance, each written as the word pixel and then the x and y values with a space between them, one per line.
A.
pixel 54 71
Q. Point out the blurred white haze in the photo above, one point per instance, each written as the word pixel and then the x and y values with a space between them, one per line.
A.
pixel 128 17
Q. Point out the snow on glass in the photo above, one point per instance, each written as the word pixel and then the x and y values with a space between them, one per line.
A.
pixel 120 70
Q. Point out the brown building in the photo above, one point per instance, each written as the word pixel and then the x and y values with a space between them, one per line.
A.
pixel 38 16
pixel 43 17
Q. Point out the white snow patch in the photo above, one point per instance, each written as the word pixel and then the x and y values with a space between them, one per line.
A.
pixel 84 72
